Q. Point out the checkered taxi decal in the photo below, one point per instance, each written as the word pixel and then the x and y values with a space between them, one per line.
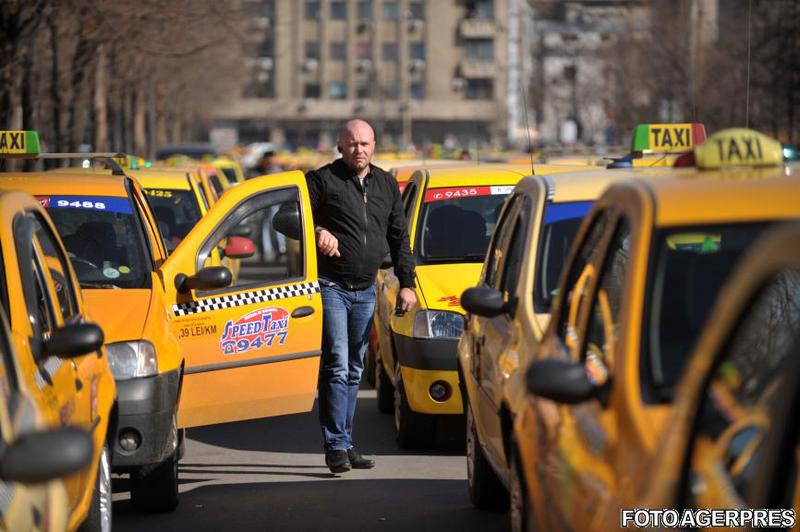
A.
pixel 245 298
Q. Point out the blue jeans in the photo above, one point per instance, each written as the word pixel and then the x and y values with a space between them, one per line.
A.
pixel 346 320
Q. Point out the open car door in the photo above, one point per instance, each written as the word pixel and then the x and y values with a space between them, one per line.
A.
pixel 251 344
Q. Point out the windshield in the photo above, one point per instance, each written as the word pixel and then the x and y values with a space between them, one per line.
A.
pixel 691 265
pixel 230 173
pixel 560 224
pixel 176 212
pixel 102 239
pixel 456 223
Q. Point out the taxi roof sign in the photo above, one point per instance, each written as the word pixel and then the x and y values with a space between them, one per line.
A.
pixel 19 144
pixel 667 138
pixel 734 147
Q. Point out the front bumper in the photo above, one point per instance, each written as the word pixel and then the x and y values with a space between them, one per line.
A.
pixel 423 362
pixel 148 406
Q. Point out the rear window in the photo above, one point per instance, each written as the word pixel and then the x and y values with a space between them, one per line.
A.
pixel 690 266
pixel 456 223
pixel 176 212
pixel 560 223
pixel 103 240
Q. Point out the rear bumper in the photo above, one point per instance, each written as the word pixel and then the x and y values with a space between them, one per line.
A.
pixel 424 362
pixel 148 406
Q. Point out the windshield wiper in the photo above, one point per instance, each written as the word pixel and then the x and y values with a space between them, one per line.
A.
pixel 98 284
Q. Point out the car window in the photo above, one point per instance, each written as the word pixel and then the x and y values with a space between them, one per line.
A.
pixel 690 266
pixel 499 241
pixel 103 240
pixel 578 281
pixel 512 263
pixel 603 328
pixel 38 305
pixel 176 211
pixel 216 184
pixel 59 270
pixel 744 388
pixel 456 223
pixel 40 310
pixel 560 223
pixel 409 200
pixel 276 229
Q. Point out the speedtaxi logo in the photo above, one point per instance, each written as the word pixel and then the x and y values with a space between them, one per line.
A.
pixel 261 328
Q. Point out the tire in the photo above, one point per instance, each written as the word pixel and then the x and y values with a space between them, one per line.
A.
pixel 486 492
pixel 156 490
pixel 369 363
pixel 413 430
pixel 519 503
pixel 99 517
pixel 384 389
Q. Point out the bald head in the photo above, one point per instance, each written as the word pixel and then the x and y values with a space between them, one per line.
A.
pixel 357 144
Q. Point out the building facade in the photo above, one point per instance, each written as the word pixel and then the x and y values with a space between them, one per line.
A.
pixel 422 71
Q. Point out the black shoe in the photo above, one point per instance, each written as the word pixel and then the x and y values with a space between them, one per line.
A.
pixel 358 461
pixel 337 461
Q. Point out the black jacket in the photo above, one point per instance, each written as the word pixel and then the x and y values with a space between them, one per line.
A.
pixel 367 223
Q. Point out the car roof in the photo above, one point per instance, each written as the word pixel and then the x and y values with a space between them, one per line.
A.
pixel 483 174
pixel 694 196
pixel 66 183
pixel 585 185
pixel 162 178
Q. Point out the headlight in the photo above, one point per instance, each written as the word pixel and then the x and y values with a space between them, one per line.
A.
pixel 132 359
pixel 438 324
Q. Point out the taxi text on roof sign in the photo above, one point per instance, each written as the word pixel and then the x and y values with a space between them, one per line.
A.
pixel 738 147
pixel 666 138
pixel 19 143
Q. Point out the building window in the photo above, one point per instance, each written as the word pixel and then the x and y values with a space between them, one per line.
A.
pixel 364 50
pixel 312 11
pixel 416 50
pixel 365 10
pixel 480 49
pixel 338 50
pixel 417 90
pixel 311 90
pixel 479 89
pixel 389 51
pixel 482 9
pixel 312 50
pixel 338 10
pixel 337 90
pixel 391 11
pixel 363 91
pixel 391 91
pixel 416 10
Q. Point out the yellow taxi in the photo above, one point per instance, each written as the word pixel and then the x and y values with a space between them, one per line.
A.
pixel 642 274
pixel 508 312
pixel 178 327
pixel 230 169
pixel 450 214
pixel 660 145
pixel 61 365
pixel 31 475
pixel 734 420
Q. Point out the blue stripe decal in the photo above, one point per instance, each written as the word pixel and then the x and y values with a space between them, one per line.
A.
pixel 91 203
pixel 558 212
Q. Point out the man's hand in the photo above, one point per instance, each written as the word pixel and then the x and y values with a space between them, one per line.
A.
pixel 406 299
pixel 327 243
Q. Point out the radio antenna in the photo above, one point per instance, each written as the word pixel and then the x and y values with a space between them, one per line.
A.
pixel 747 97
pixel 527 124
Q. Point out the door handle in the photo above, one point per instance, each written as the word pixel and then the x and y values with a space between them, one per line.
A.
pixel 302 312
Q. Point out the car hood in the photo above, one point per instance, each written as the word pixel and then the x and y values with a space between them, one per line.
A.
pixel 120 313
pixel 442 284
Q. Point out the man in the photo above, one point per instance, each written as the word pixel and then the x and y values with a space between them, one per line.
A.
pixel 357 214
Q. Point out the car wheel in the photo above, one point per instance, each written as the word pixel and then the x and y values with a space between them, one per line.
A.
pixel 369 362
pixel 485 489
pixel 99 518
pixel 520 510
pixel 383 389
pixel 413 430
pixel 156 490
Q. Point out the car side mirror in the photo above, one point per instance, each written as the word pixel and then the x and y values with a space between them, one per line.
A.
pixel 387 263
pixel 287 221
pixel 43 456
pixel 483 301
pixel 559 380
pixel 240 230
pixel 209 278
pixel 239 247
pixel 74 340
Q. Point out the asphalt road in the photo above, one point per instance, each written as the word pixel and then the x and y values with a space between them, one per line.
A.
pixel 270 474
